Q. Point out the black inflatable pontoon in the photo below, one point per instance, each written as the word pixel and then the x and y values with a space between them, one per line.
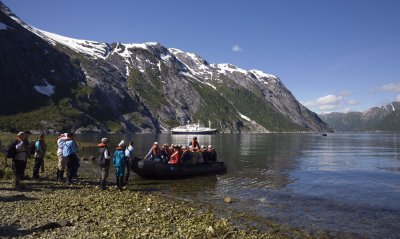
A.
pixel 152 170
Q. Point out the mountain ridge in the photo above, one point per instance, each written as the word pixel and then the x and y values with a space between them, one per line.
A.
pixel 144 87
pixel 382 118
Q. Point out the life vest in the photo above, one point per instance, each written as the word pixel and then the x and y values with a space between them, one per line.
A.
pixel 155 152
pixel 175 159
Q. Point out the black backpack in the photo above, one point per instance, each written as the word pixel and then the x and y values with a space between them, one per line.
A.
pixel 32 148
pixel 11 150
pixel 100 157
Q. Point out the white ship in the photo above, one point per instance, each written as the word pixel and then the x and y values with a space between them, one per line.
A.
pixel 193 129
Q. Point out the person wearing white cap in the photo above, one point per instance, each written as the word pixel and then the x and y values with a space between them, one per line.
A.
pixel 119 163
pixel 212 154
pixel 62 161
pixel 154 153
pixel 103 159
pixel 19 158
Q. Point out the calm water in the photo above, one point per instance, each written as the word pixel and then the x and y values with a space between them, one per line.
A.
pixel 346 183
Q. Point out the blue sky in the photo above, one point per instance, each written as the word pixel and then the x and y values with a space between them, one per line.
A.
pixel 341 55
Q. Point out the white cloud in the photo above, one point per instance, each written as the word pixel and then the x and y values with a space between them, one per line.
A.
pixel 352 102
pixel 330 107
pixel 397 98
pixel 332 102
pixel 391 87
pixel 236 48
pixel 328 99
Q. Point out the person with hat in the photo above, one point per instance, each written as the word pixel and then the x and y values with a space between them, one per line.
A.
pixel 103 160
pixel 212 154
pixel 19 159
pixel 119 163
pixel 70 150
pixel 130 154
pixel 62 161
pixel 40 150
pixel 175 157
pixel 165 153
pixel 154 153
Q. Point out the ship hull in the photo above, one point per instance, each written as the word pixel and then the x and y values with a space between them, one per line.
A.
pixel 193 132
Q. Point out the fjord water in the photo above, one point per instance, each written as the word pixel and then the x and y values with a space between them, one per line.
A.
pixel 343 183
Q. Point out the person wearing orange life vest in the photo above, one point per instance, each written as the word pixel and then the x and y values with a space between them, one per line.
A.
pixel 175 157
pixel 154 153
pixel 104 159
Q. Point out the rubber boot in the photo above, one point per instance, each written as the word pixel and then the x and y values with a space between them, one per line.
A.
pixel 103 184
pixel 122 182
pixel 58 175
pixel 17 184
pixel 61 176
pixel 117 183
pixel 126 178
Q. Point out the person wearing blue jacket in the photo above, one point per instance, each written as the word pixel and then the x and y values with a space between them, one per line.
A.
pixel 70 149
pixel 119 162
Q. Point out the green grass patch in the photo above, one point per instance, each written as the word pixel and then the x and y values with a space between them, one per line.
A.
pixel 59 117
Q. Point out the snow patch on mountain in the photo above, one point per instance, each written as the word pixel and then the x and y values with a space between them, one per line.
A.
pixel 212 86
pixel 260 74
pixel 229 68
pixel 45 90
pixel 244 117
pixel 90 48
pixel 194 63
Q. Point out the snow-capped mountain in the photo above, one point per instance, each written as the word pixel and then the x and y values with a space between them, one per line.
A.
pixel 143 87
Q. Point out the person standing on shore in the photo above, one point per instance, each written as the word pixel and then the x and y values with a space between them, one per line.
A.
pixel 129 153
pixel 119 163
pixel 70 149
pixel 40 150
pixel 20 158
pixel 104 159
pixel 62 161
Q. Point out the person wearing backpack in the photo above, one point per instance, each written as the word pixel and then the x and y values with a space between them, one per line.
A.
pixel 103 159
pixel 70 149
pixel 19 152
pixel 62 161
pixel 129 153
pixel 40 150
pixel 119 163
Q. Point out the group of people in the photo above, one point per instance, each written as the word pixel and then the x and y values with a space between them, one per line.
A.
pixel 20 149
pixel 69 162
pixel 123 156
pixel 178 154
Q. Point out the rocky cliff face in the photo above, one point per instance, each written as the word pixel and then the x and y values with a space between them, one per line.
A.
pixel 384 118
pixel 139 87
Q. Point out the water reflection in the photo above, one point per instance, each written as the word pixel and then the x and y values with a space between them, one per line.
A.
pixel 343 182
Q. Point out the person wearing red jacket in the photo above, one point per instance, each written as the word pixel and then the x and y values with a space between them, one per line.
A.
pixel 175 157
